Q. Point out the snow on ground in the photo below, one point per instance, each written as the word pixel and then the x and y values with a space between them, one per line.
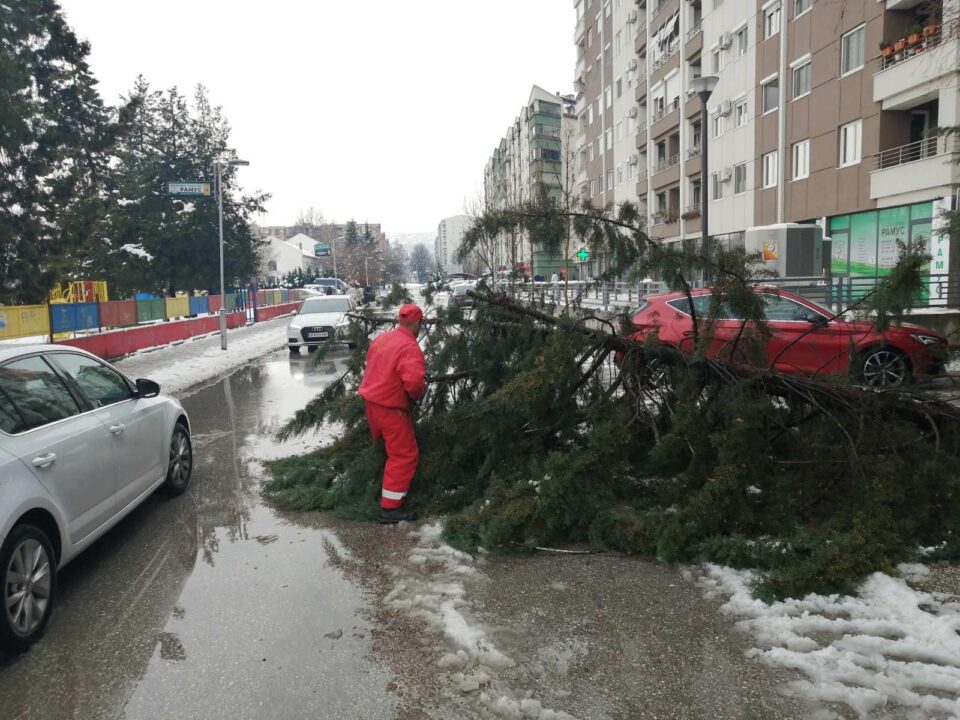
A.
pixel 432 586
pixel 200 359
pixel 893 651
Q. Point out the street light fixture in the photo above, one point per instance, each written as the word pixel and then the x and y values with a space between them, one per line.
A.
pixel 219 165
pixel 703 86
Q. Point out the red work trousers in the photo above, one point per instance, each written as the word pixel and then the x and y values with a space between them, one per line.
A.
pixel 396 428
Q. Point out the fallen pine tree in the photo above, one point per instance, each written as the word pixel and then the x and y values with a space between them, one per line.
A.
pixel 531 434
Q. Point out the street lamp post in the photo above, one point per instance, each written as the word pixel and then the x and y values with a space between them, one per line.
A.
pixel 703 86
pixel 219 165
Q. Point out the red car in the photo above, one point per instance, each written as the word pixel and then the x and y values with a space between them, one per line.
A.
pixel 830 346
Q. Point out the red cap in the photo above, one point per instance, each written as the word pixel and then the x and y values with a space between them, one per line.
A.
pixel 410 313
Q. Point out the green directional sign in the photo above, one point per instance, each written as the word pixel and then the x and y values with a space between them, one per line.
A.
pixel 583 255
pixel 189 189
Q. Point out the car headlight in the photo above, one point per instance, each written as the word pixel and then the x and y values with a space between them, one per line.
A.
pixel 926 339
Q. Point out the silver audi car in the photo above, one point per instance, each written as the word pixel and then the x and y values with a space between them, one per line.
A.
pixel 81 445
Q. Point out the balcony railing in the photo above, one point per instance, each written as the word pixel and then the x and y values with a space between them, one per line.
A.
pixel 666 164
pixel 661 4
pixel 641 175
pixel 658 114
pixel 669 215
pixel 698 26
pixel 641 78
pixel 908 52
pixel 669 53
pixel 695 151
pixel 911 152
pixel 641 127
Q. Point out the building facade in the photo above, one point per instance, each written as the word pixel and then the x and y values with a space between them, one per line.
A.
pixel 447 243
pixel 537 154
pixel 282 256
pixel 807 123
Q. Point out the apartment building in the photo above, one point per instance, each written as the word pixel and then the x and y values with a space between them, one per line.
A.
pixel 447 244
pixel 536 151
pixel 807 122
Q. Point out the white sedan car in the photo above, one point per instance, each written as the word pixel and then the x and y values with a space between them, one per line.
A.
pixel 320 321
pixel 81 445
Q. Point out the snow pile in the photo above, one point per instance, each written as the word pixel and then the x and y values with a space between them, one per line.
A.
pixel 893 646
pixel 432 586
pixel 136 249
pixel 200 359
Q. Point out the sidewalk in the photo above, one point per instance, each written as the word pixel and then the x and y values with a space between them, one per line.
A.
pixel 185 365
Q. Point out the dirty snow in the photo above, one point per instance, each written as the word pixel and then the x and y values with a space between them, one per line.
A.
pixel 891 649
pixel 200 359
pixel 432 585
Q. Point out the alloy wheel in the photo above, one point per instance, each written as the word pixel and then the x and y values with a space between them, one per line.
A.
pixel 884 368
pixel 181 459
pixel 27 585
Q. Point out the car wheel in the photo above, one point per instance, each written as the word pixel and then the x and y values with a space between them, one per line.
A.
pixel 180 467
pixel 884 368
pixel 29 575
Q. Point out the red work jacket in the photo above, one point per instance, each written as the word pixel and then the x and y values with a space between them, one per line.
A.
pixel 395 370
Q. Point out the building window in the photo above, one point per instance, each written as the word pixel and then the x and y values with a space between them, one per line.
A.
pixel 695 134
pixel 619 174
pixel 770 169
pixel 272 266
pixel 695 193
pixel 608 96
pixel 608 138
pixel 739 178
pixel 717 61
pixel 629 171
pixel 800 7
pixel 661 202
pixel 801 160
pixel 717 123
pixel 851 51
pixel 740 113
pixel 801 80
pixel 593 188
pixel 771 95
pixel 609 179
pixel 600 183
pixel 618 42
pixel 771 20
pixel 715 188
pixel 619 85
pixel 850 137
pixel 742 42
pixel 590 114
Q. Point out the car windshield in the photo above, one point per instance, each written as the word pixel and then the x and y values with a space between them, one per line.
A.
pixel 330 304
pixel 326 282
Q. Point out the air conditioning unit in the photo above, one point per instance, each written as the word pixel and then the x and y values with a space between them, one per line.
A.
pixel 634 159
pixel 632 65
pixel 726 174
pixel 725 40
pixel 632 16
pixel 725 107
pixel 632 112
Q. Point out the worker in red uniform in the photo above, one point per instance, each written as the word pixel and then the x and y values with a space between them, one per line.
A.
pixel 395 377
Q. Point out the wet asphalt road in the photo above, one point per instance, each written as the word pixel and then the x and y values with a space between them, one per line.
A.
pixel 210 605
pixel 215 605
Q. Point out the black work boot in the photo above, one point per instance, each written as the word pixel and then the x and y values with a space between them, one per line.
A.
pixel 395 515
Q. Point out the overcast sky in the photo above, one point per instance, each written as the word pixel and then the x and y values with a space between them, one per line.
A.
pixel 374 109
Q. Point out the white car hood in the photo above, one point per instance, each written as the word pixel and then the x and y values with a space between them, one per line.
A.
pixel 307 319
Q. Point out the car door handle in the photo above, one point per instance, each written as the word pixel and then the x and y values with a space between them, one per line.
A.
pixel 118 428
pixel 44 460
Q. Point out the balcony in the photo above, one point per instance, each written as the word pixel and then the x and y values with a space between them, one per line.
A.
pixel 695 151
pixel 917 166
pixel 661 4
pixel 669 53
pixel 666 109
pixel 666 164
pixel 579 30
pixel 697 28
pixel 903 81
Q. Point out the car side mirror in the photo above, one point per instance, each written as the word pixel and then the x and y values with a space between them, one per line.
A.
pixel 147 388
pixel 814 318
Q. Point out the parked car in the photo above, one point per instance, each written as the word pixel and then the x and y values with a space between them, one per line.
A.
pixel 334 286
pixel 804 338
pixel 320 321
pixel 459 296
pixel 81 445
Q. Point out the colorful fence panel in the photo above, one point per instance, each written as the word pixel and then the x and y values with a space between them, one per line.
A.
pixel 177 306
pixel 24 321
pixel 198 305
pixel 118 313
pixel 150 310
pixel 233 301
pixel 69 317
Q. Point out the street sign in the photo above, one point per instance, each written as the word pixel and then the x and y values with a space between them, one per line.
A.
pixel 583 255
pixel 321 250
pixel 189 189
